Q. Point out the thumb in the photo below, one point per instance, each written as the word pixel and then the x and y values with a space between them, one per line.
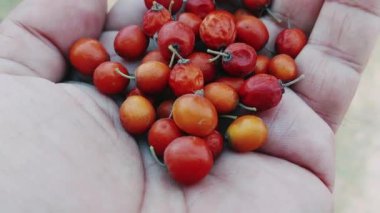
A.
pixel 37 35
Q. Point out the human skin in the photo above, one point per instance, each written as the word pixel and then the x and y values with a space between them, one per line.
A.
pixel 62 148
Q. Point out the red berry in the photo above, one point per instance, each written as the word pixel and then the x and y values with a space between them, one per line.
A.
pixel 178 35
pixel 107 80
pixel 200 7
pixel 283 67
pixel 239 59
pixel 185 78
pixel 188 159
pixel 218 29
pixel 215 142
pixel 86 54
pixel 195 115
pixel 161 134
pixel 261 91
pixel 224 98
pixel 201 60
pixel 154 19
pixel 247 133
pixel 166 3
pixel 252 31
pixel 137 115
pixel 152 77
pixel 191 20
pixel 262 64
pixel 291 42
pixel 131 43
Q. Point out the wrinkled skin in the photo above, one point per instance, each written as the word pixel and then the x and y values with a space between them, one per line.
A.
pixel 62 147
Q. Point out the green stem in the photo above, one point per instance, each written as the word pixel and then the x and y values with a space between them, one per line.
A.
pixel 212 60
pixel 294 81
pixel 232 117
pixel 172 60
pixel 219 53
pixel 151 149
pixel 253 109
pixel 124 75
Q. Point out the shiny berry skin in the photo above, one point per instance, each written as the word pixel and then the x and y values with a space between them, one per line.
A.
pixel 86 54
pixel 131 43
pixel 261 91
pixel 185 78
pixel 241 60
pixel 195 115
pixel 247 133
pixel 161 134
pixel 166 3
pixel 164 109
pixel 188 160
pixel 218 29
pixel 234 83
pixel 252 31
pixel 262 64
pixel 107 80
pixel 283 67
pixel 152 77
pixel 154 56
pixel 291 42
pixel 137 115
pixel 177 34
pixel 200 7
pixel 256 4
pixel 224 98
pixel 201 60
pixel 191 20
pixel 215 143
pixel 154 19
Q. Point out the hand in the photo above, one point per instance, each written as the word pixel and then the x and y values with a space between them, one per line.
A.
pixel 62 148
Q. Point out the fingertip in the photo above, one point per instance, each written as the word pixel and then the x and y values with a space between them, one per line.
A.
pixel 125 12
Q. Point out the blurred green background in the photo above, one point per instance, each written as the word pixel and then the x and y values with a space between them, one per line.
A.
pixel 358 141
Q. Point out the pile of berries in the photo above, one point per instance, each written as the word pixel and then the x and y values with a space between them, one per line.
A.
pixel 206 67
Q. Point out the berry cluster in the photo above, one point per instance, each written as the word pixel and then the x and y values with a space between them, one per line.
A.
pixel 206 66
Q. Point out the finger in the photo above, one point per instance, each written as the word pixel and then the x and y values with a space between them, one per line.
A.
pixel 301 13
pixel 35 37
pixel 125 12
pixel 338 50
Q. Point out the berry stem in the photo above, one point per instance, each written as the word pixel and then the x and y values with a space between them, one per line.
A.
pixel 174 50
pixel 151 148
pixel 171 114
pixel 301 77
pixel 172 60
pixel 211 60
pixel 232 117
pixel 289 23
pixel 218 53
pixel 156 6
pixel 124 75
pixel 271 14
pixel 182 60
pixel 171 6
pixel 253 109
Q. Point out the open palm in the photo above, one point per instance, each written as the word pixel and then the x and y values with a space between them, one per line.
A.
pixel 62 148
